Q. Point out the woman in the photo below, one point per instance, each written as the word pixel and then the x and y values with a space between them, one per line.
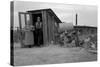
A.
pixel 29 38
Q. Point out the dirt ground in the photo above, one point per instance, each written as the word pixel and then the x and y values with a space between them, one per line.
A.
pixel 51 55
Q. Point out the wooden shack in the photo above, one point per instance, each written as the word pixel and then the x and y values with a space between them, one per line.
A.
pixel 49 20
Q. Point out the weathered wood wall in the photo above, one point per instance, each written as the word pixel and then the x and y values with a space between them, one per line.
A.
pixel 45 35
pixel 51 27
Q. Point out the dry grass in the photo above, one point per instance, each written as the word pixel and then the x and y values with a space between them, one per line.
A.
pixel 50 55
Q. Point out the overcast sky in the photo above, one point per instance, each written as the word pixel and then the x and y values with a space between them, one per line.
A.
pixel 87 15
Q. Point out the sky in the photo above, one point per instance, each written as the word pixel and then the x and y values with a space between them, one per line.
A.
pixel 87 15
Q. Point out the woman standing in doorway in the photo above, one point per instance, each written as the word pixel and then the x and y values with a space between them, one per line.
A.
pixel 29 38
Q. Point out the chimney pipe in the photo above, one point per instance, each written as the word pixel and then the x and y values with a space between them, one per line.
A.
pixel 76 19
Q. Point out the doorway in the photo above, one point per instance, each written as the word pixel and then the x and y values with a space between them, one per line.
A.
pixel 38 35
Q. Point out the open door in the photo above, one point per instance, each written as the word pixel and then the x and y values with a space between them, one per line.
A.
pixel 24 20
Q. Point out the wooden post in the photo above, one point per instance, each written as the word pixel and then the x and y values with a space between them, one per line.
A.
pixel 76 19
pixel 76 38
pixel 44 18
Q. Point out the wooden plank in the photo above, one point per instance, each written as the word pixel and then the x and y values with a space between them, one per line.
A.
pixel 34 12
pixel 20 21
pixel 53 28
pixel 44 18
pixel 25 17
pixel 50 27
pixel 20 26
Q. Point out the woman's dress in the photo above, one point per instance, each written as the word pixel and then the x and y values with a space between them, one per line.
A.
pixel 29 37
